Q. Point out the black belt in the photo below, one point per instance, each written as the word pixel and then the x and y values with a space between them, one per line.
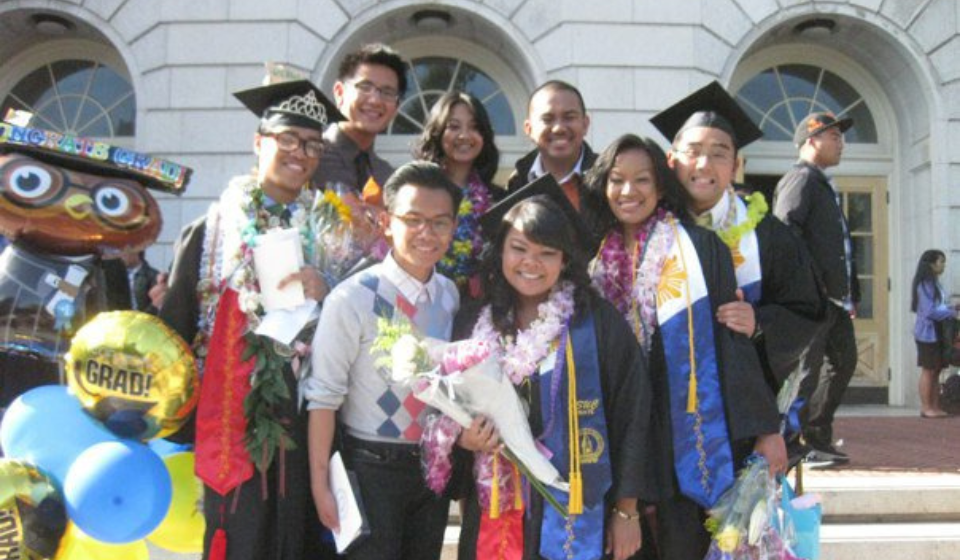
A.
pixel 385 451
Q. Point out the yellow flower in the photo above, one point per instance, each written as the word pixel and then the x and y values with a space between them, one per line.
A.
pixel 728 539
pixel 334 200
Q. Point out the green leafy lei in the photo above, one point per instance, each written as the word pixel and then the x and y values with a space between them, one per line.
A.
pixel 756 210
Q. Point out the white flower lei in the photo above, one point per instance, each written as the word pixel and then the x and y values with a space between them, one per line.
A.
pixel 233 225
pixel 521 356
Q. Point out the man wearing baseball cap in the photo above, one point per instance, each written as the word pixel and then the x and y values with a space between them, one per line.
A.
pixel 807 200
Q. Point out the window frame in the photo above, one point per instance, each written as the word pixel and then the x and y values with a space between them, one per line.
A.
pixel 48 52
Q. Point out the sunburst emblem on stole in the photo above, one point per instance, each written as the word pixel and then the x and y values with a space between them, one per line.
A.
pixel 672 278
pixel 738 258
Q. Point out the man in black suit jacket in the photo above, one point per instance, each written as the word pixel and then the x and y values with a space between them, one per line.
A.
pixel 557 123
pixel 807 201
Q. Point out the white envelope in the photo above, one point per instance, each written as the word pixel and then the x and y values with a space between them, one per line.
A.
pixel 278 254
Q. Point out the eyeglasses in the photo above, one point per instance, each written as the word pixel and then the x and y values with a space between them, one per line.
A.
pixel 290 142
pixel 716 155
pixel 368 88
pixel 440 226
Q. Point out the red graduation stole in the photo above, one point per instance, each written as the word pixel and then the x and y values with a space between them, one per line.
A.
pixel 222 461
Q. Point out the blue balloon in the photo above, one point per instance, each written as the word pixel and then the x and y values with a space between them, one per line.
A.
pixel 117 491
pixel 46 427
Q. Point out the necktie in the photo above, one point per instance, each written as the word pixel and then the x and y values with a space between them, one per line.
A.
pixel 363 167
pixel 705 220
pixel 571 188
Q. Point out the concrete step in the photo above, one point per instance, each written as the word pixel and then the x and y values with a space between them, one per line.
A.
pixel 890 541
pixel 887 497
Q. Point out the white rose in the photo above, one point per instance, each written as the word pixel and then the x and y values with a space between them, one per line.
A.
pixel 404 357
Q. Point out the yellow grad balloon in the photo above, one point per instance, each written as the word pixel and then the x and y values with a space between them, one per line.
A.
pixel 133 373
pixel 32 516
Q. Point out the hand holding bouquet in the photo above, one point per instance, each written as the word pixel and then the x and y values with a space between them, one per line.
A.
pixel 463 380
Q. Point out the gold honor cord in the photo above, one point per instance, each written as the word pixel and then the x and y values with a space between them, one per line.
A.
pixel 692 390
pixel 575 506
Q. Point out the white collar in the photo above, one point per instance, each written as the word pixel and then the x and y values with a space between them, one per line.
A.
pixel 719 211
pixel 408 286
pixel 537 170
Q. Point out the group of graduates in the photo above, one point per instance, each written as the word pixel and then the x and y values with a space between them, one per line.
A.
pixel 646 313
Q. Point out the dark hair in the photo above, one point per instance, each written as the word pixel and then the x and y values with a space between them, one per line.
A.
pixel 543 222
pixel 667 183
pixel 430 144
pixel 557 85
pixel 424 175
pixel 375 53
pixel 925 274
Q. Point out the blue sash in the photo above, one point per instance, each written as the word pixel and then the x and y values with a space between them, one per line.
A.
pixel 701 445
pixel 587 528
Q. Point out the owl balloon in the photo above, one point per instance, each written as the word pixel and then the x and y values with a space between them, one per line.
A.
pixel 66 203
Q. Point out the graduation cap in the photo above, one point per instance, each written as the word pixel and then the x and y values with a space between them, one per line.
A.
pixel 545 186
pixel 293 103
pixel 712 107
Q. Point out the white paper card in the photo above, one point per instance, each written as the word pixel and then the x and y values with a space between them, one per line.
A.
pixel 283 325
pixel 349 510
pixel 277 255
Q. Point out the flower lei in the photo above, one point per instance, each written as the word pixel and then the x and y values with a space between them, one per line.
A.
pixel 232 230
pixel 756 210
pixel 460 262
pixel 520 358
pixel 631 281
pixel 522 354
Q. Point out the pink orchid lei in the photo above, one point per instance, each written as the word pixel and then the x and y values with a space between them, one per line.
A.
pixel 522 354
pixel 613 273
pixel 441 432
pixel 520 358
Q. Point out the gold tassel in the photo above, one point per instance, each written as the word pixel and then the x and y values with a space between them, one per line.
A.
pixel 692 395
pixel 517 489
pixel 575 503
pixel 575 507
pixel 495 488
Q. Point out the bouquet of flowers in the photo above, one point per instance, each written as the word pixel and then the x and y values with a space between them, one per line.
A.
pixel 463 380
pixel 340 234
pixel 749 523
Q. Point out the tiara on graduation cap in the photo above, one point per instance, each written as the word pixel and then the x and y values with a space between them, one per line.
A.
pixel 307 106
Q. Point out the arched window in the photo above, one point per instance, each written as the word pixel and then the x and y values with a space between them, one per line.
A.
pixel 428 78
pixel 779 97
pixel 77 97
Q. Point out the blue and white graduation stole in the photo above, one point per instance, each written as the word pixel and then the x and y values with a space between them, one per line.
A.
pixel 746 256
pixel 577 536
pixel 702 455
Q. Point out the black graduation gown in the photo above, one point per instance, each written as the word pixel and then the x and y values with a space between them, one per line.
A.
pixel 627 392
pixel 275 528
pixel 791 303
pixel 750 406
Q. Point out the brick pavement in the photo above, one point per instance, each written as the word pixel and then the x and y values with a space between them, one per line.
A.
pixel 904 443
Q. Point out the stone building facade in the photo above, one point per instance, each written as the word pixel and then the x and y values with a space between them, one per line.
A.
pixel 156 76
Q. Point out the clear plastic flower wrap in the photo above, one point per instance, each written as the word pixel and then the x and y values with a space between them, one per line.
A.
pixel 342 232
pixel 463 380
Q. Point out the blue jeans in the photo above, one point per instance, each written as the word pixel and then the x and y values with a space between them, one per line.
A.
pixel 407 520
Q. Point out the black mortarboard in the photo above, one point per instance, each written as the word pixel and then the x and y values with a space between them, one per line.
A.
pixel 546 186
pixel 710 106
pixel 294 103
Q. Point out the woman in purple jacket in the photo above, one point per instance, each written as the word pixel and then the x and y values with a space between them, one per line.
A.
pixel 930 306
